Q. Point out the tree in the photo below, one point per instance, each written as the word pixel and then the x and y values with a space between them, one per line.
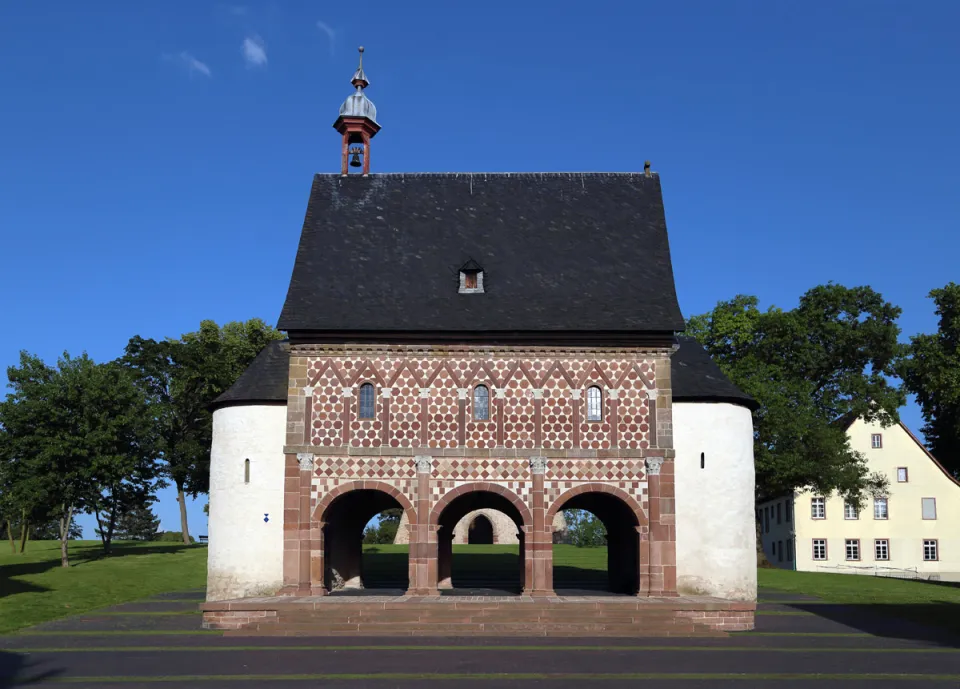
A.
pixel 932 373
pixel 138 524
pixel 183 377
pixel 78 436
pixel 584 530
pixel 385 531
pixel 830 358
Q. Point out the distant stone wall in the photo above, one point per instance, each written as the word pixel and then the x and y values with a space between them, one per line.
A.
pixel 504 529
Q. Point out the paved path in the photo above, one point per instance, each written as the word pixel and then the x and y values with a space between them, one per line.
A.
pixel 811 643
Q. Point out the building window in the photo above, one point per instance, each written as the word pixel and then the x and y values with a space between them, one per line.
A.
pixel 773 546
pixel 778 513
pixel 930 553
pixel 851 511
pixel 766 519
pixel 246 471
pixel 876 441
pixel 852 546
pixel 929 507
pixel 818 508
pixel 881 549
pixel 366 401
pixel 819 548
pixel 789 551
pixel 901 474
pixel 788 508
pixel 481 403
pixel 779 551
pixel 879 508
pixel 594 404
pixel 471 278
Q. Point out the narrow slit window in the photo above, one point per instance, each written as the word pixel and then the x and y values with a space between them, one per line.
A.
pixel 246 471
pixel 594 404
pixel 366 401
pixel 876 441
pixel 481 403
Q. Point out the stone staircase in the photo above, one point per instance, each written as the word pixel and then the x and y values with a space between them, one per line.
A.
pixel 436 616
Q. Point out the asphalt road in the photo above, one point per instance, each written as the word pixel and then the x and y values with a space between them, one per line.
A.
pixel 799 641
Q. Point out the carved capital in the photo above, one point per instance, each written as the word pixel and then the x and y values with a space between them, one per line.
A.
pixel 305 460
pixel 652 394
pixel 653 465
pixel 501 393
pixel 348 392
pixel 612 393
pixel 462 393
pixel 385 393
pixel 308 392
pixel 538 465
pixel 538 393
pixel 576 394
pixel 424 392
pixel 424 464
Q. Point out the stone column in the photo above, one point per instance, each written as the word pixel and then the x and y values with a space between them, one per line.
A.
pixel 423 541
pixel 540 542
pixel 305 462
pixel 662 562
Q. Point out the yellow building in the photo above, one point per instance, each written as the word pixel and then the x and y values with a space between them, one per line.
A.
pixel 912 531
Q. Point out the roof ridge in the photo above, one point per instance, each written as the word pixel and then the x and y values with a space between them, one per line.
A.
pixel 493 174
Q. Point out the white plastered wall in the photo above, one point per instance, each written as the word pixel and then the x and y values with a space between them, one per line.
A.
pixel 245 555
pixel 716 535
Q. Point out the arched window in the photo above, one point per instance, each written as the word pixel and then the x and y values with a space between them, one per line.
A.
pixel 246 471
pixel 481 403
pixel 366 401
pixel 594 404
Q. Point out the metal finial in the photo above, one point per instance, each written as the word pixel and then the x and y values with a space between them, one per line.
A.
pixel 646 168
pixel 360 49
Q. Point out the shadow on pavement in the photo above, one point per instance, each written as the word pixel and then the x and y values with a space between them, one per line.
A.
pixel 937 623
pixel 16 671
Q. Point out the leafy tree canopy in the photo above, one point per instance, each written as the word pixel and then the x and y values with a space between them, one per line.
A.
pixel 830 357
pixel 183 376
pixel 932 373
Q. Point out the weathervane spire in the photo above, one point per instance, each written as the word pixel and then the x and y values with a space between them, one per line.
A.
pixel 359 78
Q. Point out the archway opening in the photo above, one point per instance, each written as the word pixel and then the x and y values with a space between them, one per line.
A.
pixel 601 549
pixel 479 569
pixel 480 531
pixel 356 557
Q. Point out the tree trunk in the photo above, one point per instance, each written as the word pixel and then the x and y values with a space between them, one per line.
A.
pixel 24 530
pixel 13 543
pixel 182 499
pixel 111 525
pixel 65 520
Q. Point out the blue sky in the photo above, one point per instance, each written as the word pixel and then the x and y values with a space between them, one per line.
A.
pixel 156 157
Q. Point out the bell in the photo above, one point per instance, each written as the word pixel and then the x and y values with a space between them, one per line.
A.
pixel 355 161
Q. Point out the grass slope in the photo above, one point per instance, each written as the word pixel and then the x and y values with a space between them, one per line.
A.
pixel 34 587
pixel 926 602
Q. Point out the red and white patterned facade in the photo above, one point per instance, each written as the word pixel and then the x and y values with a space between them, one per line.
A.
pixel 423 447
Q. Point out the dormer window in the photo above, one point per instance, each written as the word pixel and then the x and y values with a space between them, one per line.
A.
pixel 471 278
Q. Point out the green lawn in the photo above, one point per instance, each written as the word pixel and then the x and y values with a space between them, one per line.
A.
pixel 926 602
pixel 34 587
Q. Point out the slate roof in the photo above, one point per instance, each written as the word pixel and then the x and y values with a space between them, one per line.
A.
pixel 575 252
pixel 264 381
pixel 696 378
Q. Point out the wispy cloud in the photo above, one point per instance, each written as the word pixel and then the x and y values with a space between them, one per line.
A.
pixel 330 32
pixel 254 51
pixel 190 63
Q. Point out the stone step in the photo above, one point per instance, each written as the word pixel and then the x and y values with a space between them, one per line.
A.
pixel 499 631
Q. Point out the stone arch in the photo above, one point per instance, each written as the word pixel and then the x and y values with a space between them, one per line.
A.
pixel 627 499
pixel 626 525
pixel 480 530
pixel 409 512
pixel 452 495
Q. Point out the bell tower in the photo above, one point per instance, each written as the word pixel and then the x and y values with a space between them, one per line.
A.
pixel 357 124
